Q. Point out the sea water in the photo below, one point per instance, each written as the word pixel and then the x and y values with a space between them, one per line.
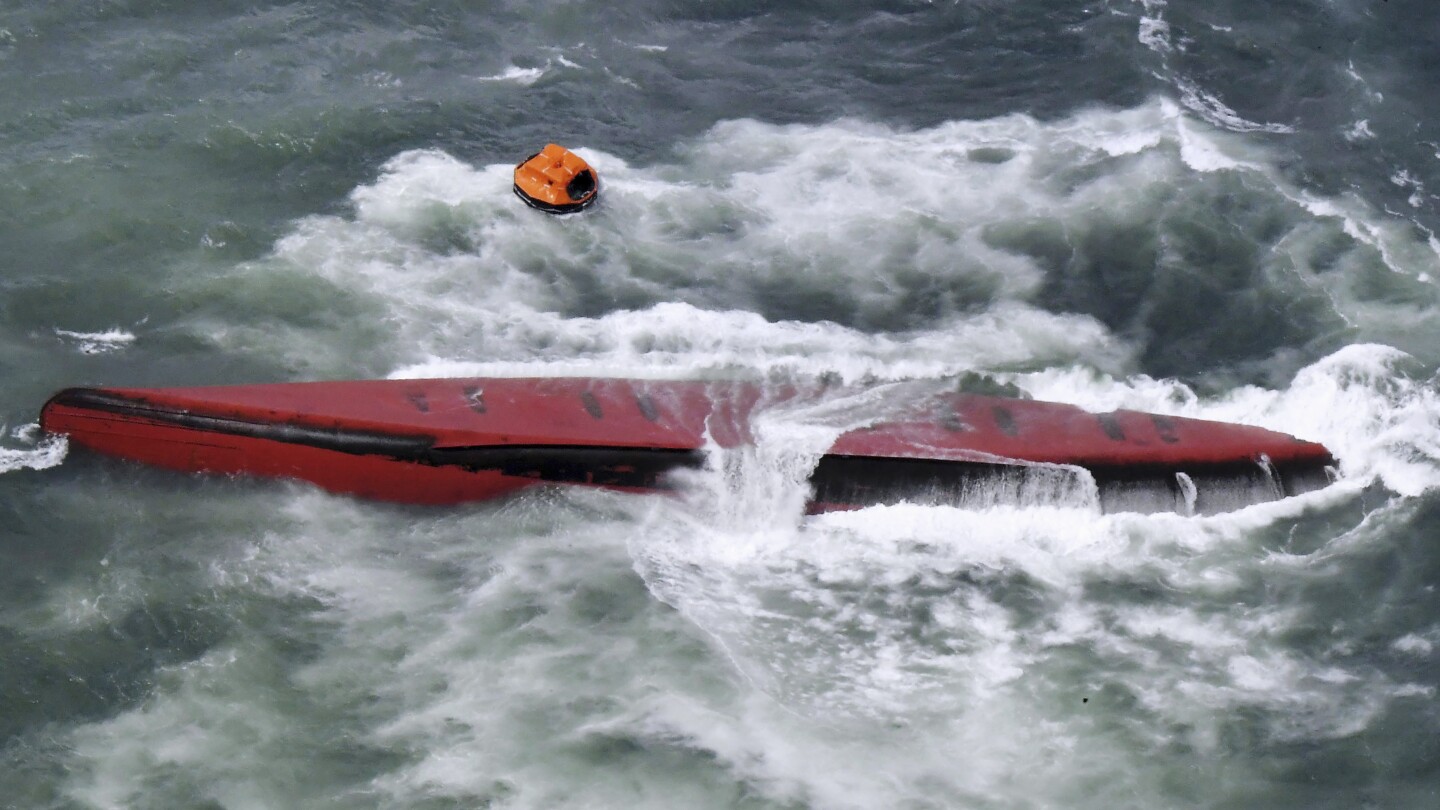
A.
pixel 1216 210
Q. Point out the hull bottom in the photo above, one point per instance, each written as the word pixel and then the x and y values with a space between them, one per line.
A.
pixel 1184 466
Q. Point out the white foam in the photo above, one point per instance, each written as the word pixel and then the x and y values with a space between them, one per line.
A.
pixel 518 75
pixel 751 210
pixel 1360 131
pixel 104 342
pixel 1413 644
pixel 1375 95
pixel 907 625
pixel 1155 33
pixel 673 339
pixel 711 245
pixel 1205 154
pixel 1209 107
pixel 40 453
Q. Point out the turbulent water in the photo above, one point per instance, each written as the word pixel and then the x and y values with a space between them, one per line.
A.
pixel 1225 210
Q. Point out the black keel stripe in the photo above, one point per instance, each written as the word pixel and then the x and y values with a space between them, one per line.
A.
pixel 342 440
pixel 617 466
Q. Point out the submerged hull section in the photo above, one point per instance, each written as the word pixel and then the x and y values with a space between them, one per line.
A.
pixel 455 440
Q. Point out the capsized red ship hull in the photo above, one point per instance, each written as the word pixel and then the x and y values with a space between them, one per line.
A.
pixel 446 441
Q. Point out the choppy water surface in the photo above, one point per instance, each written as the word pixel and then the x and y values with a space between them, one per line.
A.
pixel 1222 210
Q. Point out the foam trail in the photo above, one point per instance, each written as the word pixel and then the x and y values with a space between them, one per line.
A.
pixel 518 75
pixel 104 342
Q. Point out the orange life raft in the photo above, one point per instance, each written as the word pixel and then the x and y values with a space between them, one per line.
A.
pixel 556 180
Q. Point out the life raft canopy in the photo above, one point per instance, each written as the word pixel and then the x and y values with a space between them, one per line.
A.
pixel 557 181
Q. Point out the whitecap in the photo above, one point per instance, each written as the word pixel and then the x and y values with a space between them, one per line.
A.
pixel 104 342
pixel 518 75
pixel 1360 131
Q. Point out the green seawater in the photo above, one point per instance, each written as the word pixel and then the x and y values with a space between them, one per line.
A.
pixel 1224 211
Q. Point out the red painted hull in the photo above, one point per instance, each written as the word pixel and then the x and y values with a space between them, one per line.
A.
pixel 453 440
